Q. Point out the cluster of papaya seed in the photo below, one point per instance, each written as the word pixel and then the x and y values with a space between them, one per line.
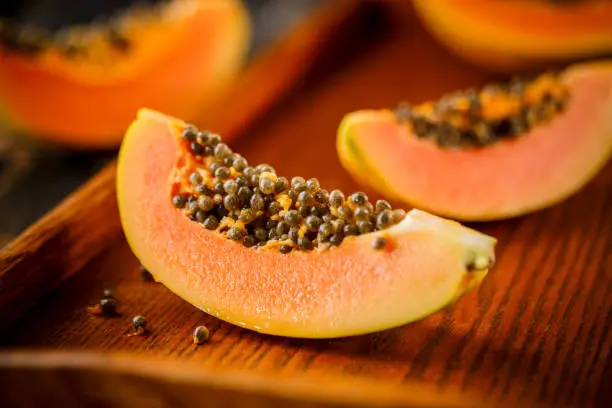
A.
pixel 254 206
pixel 77 31
pixel 470 118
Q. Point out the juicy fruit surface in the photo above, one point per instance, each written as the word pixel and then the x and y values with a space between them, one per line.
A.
pixel 346 290
pixel 508 178
pixel 88 103
pixel 514 35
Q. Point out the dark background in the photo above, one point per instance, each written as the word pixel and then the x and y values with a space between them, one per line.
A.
pixel 33 179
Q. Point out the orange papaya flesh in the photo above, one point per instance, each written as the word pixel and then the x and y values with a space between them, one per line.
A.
pixel 519 35
pixel 178 64
pixel 342 290
pixel 510 177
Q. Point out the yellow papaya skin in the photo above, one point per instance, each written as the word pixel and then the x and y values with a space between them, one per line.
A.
pixel 515 36
pixel 87 104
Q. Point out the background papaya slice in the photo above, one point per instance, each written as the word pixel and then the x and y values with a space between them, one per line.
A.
pixel 510 36
pixel 506 178
pixel 348 289
pixel 175 58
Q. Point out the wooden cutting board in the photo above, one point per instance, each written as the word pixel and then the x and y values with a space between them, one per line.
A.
pixel 536 333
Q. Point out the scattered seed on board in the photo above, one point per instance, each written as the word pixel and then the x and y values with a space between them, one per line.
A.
pixel 139 325
pixel 201 335
pixel 105 307
pixel 108 306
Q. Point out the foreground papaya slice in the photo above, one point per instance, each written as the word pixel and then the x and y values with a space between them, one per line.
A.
pixel 79 83
pixel 279 256
pixel 504 151
pixel 516 35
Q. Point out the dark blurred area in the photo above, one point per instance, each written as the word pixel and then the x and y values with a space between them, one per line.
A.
pixel 34 179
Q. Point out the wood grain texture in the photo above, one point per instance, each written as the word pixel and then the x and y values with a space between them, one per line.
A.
pixel 126 381
pixel 56 247
pixel 538 329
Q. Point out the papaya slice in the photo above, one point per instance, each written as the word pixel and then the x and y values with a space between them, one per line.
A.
pixel 510 36
pixel 80 84
pixel 278 256
pixel 504 151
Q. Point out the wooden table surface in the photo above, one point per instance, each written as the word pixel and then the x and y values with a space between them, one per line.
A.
pixel 537 329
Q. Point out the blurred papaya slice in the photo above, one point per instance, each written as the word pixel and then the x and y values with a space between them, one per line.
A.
pixel 512 36
pixel 79 77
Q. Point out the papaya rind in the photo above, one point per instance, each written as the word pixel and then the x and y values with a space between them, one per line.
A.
pixel 361 168
pixel 496 44
pixel 445 234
